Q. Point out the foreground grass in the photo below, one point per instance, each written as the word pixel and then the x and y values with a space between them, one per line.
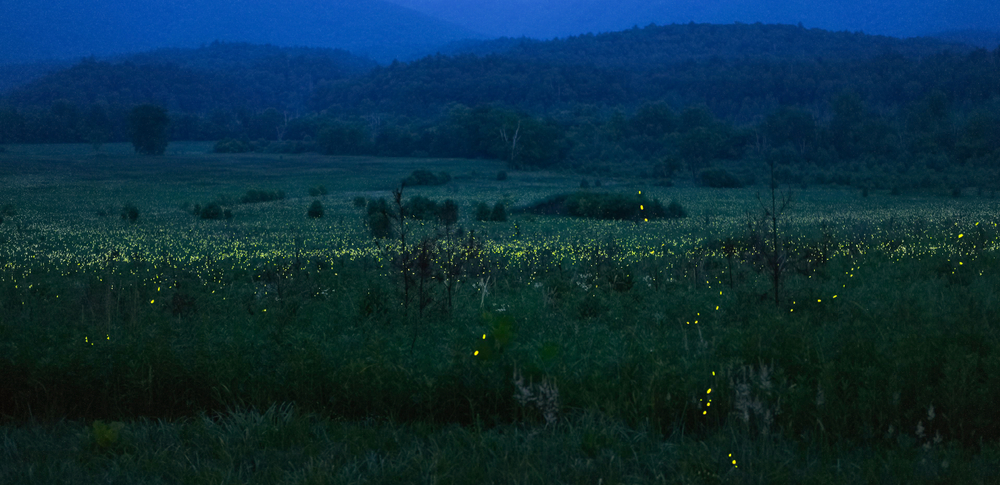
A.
pixel 281 445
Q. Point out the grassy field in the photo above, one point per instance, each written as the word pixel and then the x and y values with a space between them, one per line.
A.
pixel 272 347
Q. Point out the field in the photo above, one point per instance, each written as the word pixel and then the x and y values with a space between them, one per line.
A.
pixel 272 347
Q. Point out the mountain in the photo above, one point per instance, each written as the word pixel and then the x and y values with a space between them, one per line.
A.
pixel 67 29
pixel 19 74
pixel 979 38
pixel 216 76
pixel 545 19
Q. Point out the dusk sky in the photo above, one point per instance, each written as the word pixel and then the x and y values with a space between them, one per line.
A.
pixel 384 29
pixel 547 18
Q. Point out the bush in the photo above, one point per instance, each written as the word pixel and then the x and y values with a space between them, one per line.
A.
pixel 130 213
pixel 501 175
pixel 719 179
pixel 482 211
pixel 584 184
pixel 359 202
pixel 602 206
pixel 674 210
pixel 499 213
pixel 231 145
pixel 426 177
pixel 315 210
pixel 258 196
pixel 379 218
pixel 448 212
pixel 211 211
pixel 421 208
pixel 317 191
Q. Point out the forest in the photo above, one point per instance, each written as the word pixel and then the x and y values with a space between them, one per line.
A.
pixel 830 107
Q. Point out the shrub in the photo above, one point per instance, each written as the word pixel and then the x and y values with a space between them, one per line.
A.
pixel 230 145
pixel 130 213
pixel 674 210
pixel 597 183
pixel 448 212
pixel 315 210
pixel 584 184
pixel 317 191
pixel 258 196
pixel 379 218
pixel 719 178
pixel 359 201
pixel 501 175
pixel 426 177
pixel 482 211
pixel 499 213
pixel 421 208
pixel 602 206
pixel 211 211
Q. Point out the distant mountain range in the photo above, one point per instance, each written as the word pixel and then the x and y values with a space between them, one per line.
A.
pixel 71 29
pixel 545 19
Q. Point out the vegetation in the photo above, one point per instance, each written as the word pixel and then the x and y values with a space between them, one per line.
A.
pixel 315 210
pixel 817 302
pixel 148 128
pixel 663 102
pixel 426 177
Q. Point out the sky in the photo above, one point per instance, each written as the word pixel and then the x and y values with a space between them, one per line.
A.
pixel 387 29
pixel 549 18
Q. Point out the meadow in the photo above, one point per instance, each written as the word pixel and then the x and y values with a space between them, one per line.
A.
pixel 274 347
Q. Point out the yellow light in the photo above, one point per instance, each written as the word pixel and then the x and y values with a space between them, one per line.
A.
pixel 484 336
pixel 960 236
pixel 151 301
pixel 641 207
pixel 709 391
pixel 475 353
pixel 704 412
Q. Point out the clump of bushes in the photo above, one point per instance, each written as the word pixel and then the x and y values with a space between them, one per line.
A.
pixel 502 175
pixel 497 214
pixel 426 177
pixel 211 211
pixel 719 178
pixel 130 213
pixel 359 202
pixel 317 191
pixel 600 205
pixel 315 210
pixel 258 196
pixel 425 209
pixel 232 145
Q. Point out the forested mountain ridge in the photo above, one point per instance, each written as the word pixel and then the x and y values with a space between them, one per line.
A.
pixel 740 71
pixel 657 100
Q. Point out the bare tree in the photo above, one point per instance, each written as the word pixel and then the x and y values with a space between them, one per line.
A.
pixel 511 141
pixel 766 232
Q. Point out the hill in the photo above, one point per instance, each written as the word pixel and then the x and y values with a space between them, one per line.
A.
pixel 657 100
pixel 223 83
pixel 71 29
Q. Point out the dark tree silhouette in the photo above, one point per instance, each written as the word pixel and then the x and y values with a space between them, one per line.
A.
pixel 148 125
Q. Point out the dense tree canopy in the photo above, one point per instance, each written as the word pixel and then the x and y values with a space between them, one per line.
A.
pixel 659 100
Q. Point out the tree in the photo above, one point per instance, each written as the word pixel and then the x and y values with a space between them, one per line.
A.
pixel 148 124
